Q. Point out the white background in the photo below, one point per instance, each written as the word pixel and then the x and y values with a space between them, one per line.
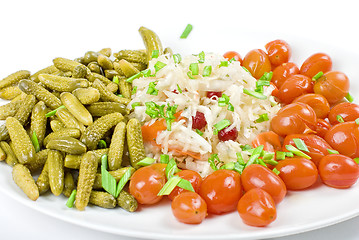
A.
pixel 34 32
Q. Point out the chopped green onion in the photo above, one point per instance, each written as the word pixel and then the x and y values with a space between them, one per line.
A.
pixel 164 158
pixel 254 94
pixel 262 118
pixel 223 100
pixel 134 90
pixel 240 158
pixel 152 89
pixel 102 144
pixel 259 89
pixel 124 179
pixel 271 162
pixel 135 104
pixel 169 186
pixel 201 56
pixel 177 58
pixel 52 113
pixel 317 76
pixel 115 80
pixel 332 151
pixel 296 151
pixel 171 168
pixel 155 53
pixel 146 72
pixel 276 171
pixel 185 184
pixel 146 162
pixel 152 109
pixel 35 141
pixel 280 155
pixel 214 161
pixel 261 162
pixel 179 89
pixel 349 97
pixel 137 75
pixel 71 200
pixel 357 121
pixel 300 144
pixel 189 74
pixel 289 154
pixel 199 132
pixel 245 69
pixel 262 83
pixel 159 65
pixel 230 107
pixel 267 76
pixel 356 160
pixel 108 181
pixel 246 147
pixel 187 31
pixel 207 70
pixel 340 119
pixel 233 59
pixel 221 125
pixel 119 95
pixel 193 67
pixel 255 155
pixel 268 155
pixel 224 64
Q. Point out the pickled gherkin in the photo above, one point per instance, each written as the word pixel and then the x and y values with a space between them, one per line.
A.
pixel 39 161
pixel 76 108
pixel 10 159
pixel 138 56
pixel 126 201
pixel 88 95
pixel 108 96
pixel 74 160
pixel 135 145
pixel 125 88
pixel 151 41
pixel 127 68
pixel 94 67
pixel 62 84
pixel 2 154
pixel 56 125
pixel 80 71
pixel 105 51
pixel 22 177
pixel 67 144
pixel 49 70
pixel 100 109
pixel 65 132
pixel 116 147
pixel 104 62
pixel 42 181
pixel 55 164
pixel 14 78
pixel 102 199
pixel 69 184
pixel 10 92
pixel 69 120
pixel 39 121
pixel 9 109
pixel 65 65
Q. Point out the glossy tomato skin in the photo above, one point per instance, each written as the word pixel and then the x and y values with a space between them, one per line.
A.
pixel 278 51
pixel 221 190
pixel 348 111
pixel 333 85
pixel 338 171
pixel 232 54
pixel 257 208
pixel 316 145
pixel 297 173
pixel 270 140
pixel 344 137
pixel 294 118
pixel 258 176
pixel 318 62
pixel 319 103
pixel 282 72
pixel 322 127
pixel 257 63
pixel 189 207
pixel 192 176
pixel 293 87
pixel 146 182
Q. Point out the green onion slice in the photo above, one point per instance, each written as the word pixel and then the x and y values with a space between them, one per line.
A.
pixel 164 158
pixel 108 181
pixel 185 184
pixel 289 154
pixel 135 104
pixel 280 155
pixel 169 186
pixel 159 65
pixel 189 74
pixel 152 89
pixel 35 141
pixel 240 158
pixel 171 168
pixel 267 76
pixel 246 147
pixel 71 200
pixel 356 160
pixel 299 143
pixel 137 75
pixel 146 161
pixel 357 121
pixel 193 67
pixel 52 113
pixel 199 132
pixel 221 125
pixel 224 64
pixel 276 171
pixel 102 144
pixel 245 69
pixel 271 162
pixel 201 56
pixel 254 94
pixel 296 151
pixel 155 53
pixel 179 89
pixel 214 161
pixel 349 97
pixel 340 119
pixel 262 118
pixel 124 179
pixel 317 76
pixel 207 70
pixel 134 90
pixel 332 151
pixel 187 31
pixel 255 155
pixel 177 58
pixel 115 80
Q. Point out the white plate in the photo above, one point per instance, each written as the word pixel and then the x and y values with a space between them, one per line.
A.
pixel 300 211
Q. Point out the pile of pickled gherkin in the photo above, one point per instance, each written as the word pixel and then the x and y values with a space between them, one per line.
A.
pixel 62 120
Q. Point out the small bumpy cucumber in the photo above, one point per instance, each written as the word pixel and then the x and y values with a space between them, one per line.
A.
pixel 87 95
pixel 14 78
pixel 55 166
pixel 116 147
pixel 135 145
pixel 100 109
pixel 126 201
pixel 39 121
pixel 22 177
pixel 102 199
pixel 67 144
pixel 76 108
pixel 62 84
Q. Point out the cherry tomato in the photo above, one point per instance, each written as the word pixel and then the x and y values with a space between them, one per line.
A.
pixel 189 207
pixel 294 86
pixel 338 171
pixel 270 140
pixel 221 190
pixel 232 54
pixel 319 103
pixel 322 127
pixel 257 208
pixel 294 118
pixel 318 62
pixel 297 173
pixel 282 72
pixel 257 63
pixel 333 85
pixel 279 52
pixel 344 137
pixel 146 182
pixel 316 145
pixel 348 111
pixel 258 176
pixel 193 177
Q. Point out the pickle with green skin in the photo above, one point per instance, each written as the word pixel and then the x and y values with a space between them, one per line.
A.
pixel 168 51
pixel 55 165
pixel 135 145
pixel 80 71
pixel 87 174
pixel 127 68
pixel 105 51
pixel 65 132
pixel 112 87
pixel 104 62
pixel 57 125
pixel 126 201
pixel 2 155
pixel 23 148
pixel 69 184
pixel 69 120
pixel 22 177
pixel 10 92
pixel 117 68
pixel 94 67
pixel 125 88
pixel 76 108
pixel 62 84
pixel 117 174
pixel 100 109
pixel 102 199
pixel 48 70
pixel 73 161
pixel 87 95
pixel 29 87
pixel 116 147
pixel 67 65
pixel 42 181
pixel 39 121
pixel 19 97
pixel 10 159
pixel 14 78
pixel 39 161
pixel 108 96
pixel 67 144
pixel 139 66
pixel 95 132
pixel 9 109
pixel 90 56
pixel 103 79
pixel 132 56
pixel 151 41
pixel 110 74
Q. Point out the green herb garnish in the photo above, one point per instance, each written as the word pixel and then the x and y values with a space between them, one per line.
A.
pixel 187 31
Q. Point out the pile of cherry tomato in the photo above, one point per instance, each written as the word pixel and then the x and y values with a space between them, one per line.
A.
pixel 314 110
